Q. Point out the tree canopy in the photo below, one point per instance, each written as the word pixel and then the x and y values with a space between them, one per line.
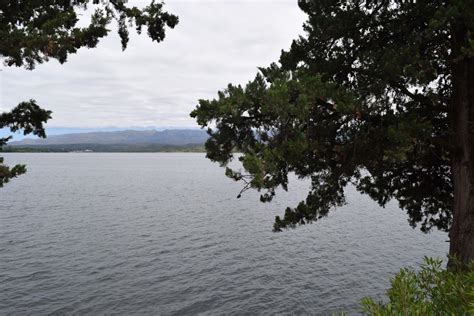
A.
pixel 364 98
pixel 33 32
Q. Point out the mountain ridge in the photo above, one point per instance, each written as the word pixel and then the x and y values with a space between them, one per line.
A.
pixel 169 137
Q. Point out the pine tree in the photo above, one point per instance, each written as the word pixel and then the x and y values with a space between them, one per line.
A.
pixel 377 94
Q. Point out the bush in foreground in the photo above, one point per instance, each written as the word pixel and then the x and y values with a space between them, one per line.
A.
pixel 429 291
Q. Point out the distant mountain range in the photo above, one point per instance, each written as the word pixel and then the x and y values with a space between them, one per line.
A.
pixel 127 140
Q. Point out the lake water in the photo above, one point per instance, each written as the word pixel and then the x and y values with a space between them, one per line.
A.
pixel 163 234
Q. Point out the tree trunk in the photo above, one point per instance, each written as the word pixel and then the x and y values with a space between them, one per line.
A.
pixel 462 230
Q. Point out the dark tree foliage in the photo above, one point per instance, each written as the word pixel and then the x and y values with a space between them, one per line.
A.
pixel 33 31
pixel 365 98
pixel 28 117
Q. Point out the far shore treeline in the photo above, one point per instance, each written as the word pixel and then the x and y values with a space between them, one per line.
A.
pixel 171 140
pixel 104 148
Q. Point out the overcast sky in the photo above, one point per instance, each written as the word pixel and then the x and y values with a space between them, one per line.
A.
pixel 158 84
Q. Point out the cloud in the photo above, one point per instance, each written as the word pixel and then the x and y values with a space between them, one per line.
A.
pixel 150 84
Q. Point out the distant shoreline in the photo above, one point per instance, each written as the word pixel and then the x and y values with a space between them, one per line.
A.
pixel 105 148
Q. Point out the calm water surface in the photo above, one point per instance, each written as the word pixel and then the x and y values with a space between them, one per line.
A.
pixel 163 234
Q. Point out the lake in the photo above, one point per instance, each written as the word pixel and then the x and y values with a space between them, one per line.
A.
pixel 164 234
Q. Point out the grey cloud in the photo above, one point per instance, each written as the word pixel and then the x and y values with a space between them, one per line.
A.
pixel 150 84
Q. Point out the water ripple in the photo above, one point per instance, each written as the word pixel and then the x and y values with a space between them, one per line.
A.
pixel 162 234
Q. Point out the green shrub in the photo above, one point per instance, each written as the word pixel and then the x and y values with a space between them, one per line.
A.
pixel 429 291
